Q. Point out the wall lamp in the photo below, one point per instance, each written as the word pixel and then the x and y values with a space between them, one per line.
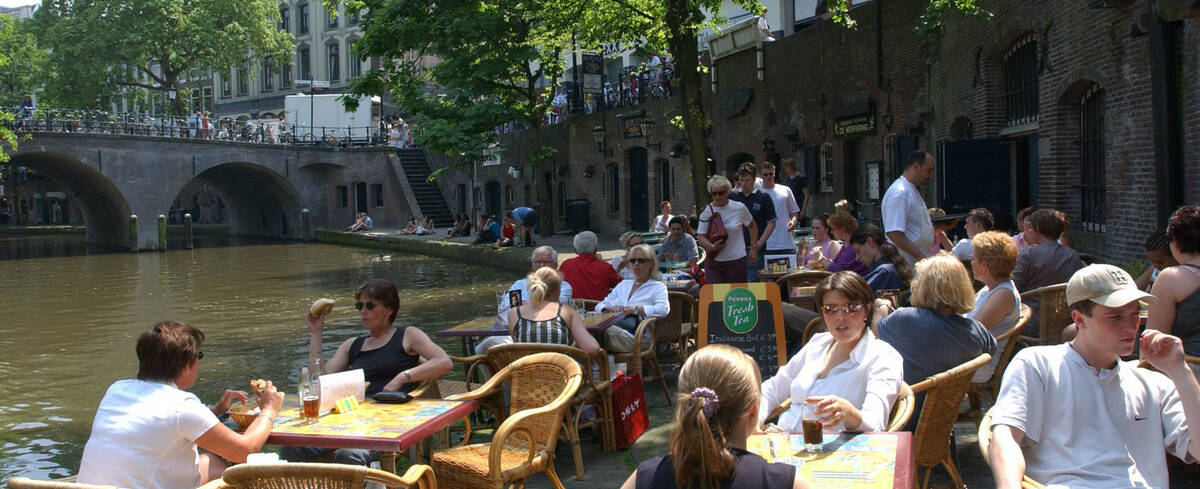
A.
pixel 647 128
pixel 599 133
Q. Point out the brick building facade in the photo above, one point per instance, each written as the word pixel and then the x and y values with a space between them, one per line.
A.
pixel 1046 103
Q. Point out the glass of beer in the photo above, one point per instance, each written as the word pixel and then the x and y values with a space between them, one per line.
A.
pixel 812 428
pixel 312 403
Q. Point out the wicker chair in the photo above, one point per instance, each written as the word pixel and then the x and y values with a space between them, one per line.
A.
pixel 478 366
pixel 64 483
pixel 817 325
pixel 902 409
pixel 543 385
pixel 639 357
pixel 944 396
pixel 805 278
pixel 1052 313
pixel 589 304
pixel 595 390
pixel 318 476
pixel 678 329
pixel 992 386
pixel 985 440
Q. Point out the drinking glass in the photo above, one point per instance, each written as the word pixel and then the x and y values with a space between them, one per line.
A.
pixel 812 428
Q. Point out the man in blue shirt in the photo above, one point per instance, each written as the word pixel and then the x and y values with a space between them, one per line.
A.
pixel 525 218
pixel 799 185
pixel 761 208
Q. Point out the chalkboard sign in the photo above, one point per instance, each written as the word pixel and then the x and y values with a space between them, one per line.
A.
pixel 748 317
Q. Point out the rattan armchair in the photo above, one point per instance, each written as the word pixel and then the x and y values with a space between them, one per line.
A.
pixel 985 441
pixel 595 390
pixel 1053 314
pixel 478 367
pixel 678 329
pixel 943 396
pixel 902 409
pixel 542 386
pixel 318 476
pixel 643 355
pixel 991 387
pixel 805 278
pixel 817 325
pixel 64 483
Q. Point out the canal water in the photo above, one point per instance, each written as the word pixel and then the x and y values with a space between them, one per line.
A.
pixel 70 314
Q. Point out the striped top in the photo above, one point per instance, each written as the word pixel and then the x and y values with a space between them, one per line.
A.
pixel 553 330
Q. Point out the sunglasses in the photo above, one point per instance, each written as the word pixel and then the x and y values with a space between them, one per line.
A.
pixel 200 355
pixel 637 261
pixel 370 305
pixel 844 308
pixel 717 194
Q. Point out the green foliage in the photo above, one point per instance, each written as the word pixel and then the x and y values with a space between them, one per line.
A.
pixel 99 47
pixel 1136 267
pixel 24 63
pixel 10 54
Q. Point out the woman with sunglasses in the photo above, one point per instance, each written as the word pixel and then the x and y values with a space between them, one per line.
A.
pixel 390 357
pixel 728 255
pixel 639 297
pixel 847 375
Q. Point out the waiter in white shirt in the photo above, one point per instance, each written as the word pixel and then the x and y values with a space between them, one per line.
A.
pixel 905 216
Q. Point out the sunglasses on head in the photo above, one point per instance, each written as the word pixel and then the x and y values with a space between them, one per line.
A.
pixel 370 305
pixel 844 308
pixel 639 260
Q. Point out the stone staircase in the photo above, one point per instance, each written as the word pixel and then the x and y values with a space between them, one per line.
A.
pixel 428 194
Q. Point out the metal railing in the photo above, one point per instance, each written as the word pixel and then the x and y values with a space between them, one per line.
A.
pixel 27 120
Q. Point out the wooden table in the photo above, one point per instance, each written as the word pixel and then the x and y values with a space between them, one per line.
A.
pixel 486 326
pixel 679 285
pixel 373 426
pixel 847 460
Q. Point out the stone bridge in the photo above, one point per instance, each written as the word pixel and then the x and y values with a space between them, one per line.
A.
pixel 264 187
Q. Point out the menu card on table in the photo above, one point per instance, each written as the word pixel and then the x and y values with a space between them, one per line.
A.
pixel 342 384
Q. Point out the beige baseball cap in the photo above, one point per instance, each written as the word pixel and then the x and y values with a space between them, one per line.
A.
pixel 1105 285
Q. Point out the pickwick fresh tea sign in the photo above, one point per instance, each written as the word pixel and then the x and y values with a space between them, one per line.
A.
pixel 748 317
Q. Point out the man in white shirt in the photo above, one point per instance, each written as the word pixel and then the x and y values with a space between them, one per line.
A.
pixel 543 256
pixel 978 221
pixel 146 429
pixel 1074 415
pixel 786 211
pixel 905 215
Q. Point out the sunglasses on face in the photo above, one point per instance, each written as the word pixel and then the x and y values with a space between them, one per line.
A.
pixel 370 305
pixel 844 308
pixel 637 261
pixel 717 194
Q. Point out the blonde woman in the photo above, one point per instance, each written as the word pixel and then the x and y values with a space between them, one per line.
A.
pixel 717 411
pixel 639 297
pixel 933 336
pixel 998 303
pixel 728 256
pixel 544 320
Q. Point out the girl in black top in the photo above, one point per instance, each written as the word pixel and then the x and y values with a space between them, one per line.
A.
pixel 719 388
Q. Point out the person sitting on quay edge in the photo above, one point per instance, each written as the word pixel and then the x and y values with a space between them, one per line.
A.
pixel 542 257
pixel 662 222
pixel 628 240
pixel 678 246
pixel 411 228
pixel 428 226
pixel 1044 262
pixel 727 259
pixel 508 233
pixel 887 270
pixel 640 297
pixel 847 374
pixel 1074 415
pixel 389 356
pixel 147 429
pixel 718 409
pixel 933 336
pixel 589 276
pixel 978 221
pixel 490 232
pixel 363 223
pixel 998 303
pixel 544 320
pixel 843 225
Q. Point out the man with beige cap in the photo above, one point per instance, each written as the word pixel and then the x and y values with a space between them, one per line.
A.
pixel 1074 415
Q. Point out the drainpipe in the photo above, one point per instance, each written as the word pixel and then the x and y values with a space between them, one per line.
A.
pixel 1168 129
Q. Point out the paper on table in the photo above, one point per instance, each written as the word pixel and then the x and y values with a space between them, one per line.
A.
pixel 342 384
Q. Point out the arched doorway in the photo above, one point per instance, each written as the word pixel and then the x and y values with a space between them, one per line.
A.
pixel 491 199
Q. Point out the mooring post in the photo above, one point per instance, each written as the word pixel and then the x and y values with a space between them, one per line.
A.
pixel 187 231
pixel 305 225
pixel 133 233
pixel 162 232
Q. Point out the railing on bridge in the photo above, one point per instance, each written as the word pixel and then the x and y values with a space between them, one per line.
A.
pixel 142 124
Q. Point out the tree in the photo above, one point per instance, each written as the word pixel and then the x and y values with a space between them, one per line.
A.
pixel 11 52
pixel 497 62
pixel 25 65
pixel 100 47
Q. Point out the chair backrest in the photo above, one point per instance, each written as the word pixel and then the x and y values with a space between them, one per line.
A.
pixel 902 409
pixel 1053 312
pixel 984 436
pixel 801 279
pixel 322 476
pixel 537 375
pixel 684 309
pixel 27 483
pixel 1009 348
pixel 943 396
pixel 813 327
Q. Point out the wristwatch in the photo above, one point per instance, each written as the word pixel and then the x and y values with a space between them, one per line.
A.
pixel 408 376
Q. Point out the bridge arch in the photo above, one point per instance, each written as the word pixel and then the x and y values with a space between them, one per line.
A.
pixel 258 200
pixel 105 209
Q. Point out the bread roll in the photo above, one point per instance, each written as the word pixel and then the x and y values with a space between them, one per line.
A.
pixel 321 307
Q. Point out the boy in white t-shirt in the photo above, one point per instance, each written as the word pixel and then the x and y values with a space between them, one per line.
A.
pixel 1118 419
pixel 786 211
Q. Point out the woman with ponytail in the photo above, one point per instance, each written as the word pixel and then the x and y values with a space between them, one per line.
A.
pixel 717 411
pixel 543 319
pixel 886 268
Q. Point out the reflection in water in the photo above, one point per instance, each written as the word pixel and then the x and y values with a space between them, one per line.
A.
pixel 73 312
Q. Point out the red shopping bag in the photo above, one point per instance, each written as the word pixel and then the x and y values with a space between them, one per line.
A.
pixel 629 409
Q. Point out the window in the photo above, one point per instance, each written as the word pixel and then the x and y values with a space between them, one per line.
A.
pixel 826 162
pixel 285 19
pixel 208 99
pixel 244 78
pixel 285 76
pixel 305 64
pixel 343 196
pixel 612 181
pixel 377 192
pixel 508 195
pixel 334 70
pixel 331 18
pixel 268 74
pixel 355 18
pixel 303 18
pixel 1021 82
pixel 1091 167
pixel 225 90
pixel 562 199
pixel 664 180
pixel 353 64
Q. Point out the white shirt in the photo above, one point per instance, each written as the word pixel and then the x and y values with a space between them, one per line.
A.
pixel 1008 321
pixel 144 437
pixel 1085 429
pixel 870 380
pixel 963 250
pixel 652 296
pixel 904 210
pixel 785 208
pixel 625 273
pixel 735 215
pixel 661 223
pixel 564 293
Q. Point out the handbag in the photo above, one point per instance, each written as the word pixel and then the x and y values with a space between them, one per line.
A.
pixel 716 227
pixel 629 409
